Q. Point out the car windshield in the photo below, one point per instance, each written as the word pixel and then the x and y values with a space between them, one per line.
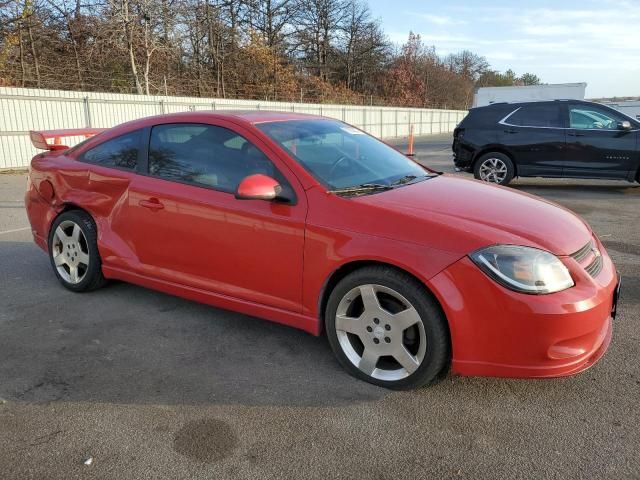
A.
pixel 343 157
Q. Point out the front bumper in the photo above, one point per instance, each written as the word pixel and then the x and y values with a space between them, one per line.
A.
pixel 498 332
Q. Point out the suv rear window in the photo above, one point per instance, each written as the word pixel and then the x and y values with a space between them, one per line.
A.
pixel 545 115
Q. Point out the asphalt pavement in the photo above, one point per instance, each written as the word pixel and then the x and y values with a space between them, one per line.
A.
pixel 141 385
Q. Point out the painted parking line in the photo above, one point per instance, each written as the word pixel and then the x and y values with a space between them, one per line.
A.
pixel 15 230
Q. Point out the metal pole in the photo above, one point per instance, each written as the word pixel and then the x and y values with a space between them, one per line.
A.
pixel 87 112
pixel 396 123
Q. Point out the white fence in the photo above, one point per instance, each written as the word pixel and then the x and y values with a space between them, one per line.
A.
pixel 23 109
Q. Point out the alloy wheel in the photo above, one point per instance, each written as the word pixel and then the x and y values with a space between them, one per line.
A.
pixel 380 332
pixel 493 170
pixel 70 252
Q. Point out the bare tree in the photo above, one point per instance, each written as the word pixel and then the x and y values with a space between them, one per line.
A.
pixel 318 24
pixel 362 49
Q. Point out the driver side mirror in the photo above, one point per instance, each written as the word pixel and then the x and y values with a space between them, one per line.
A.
pixel 624 125
pixel 258 187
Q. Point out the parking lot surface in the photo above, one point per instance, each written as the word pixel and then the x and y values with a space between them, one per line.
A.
pixel 152 386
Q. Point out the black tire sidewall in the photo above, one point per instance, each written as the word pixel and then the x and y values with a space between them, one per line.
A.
pixel 93 278
pixel 511 170
pixel 437 354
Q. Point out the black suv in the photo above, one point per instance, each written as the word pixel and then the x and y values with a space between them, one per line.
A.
pixel 559 138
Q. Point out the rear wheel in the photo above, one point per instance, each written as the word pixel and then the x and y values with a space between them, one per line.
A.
pixel 385 329
pixel 494 167
pixel 73 251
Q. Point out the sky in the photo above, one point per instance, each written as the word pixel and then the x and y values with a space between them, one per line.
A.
pixel 597 42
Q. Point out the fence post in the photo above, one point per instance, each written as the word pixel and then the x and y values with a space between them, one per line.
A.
pixel 87 112
pixel 213 105
pixel 162 107
pixel 381 123
pixel 396 122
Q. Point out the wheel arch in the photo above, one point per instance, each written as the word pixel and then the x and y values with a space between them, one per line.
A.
pixel 349 267
pixel 67 207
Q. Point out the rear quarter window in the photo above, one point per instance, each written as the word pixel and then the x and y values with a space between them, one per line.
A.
pixel 543 115
pixel 119 152
pixel 485 116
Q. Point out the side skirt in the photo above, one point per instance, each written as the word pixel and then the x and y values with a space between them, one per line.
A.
pixel 296 320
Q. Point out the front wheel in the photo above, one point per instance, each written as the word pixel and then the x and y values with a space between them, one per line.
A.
pixel 385 329
pixel 494 167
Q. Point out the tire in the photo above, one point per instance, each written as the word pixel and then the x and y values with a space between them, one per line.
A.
pixel 73 247
pixel 494 167
pixel 402 318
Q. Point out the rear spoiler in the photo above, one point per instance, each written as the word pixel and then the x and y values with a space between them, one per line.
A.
pixel 39 138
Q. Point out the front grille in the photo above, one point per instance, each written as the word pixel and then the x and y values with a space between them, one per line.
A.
pixel 583 253
pixel 589 253
pixel 595 267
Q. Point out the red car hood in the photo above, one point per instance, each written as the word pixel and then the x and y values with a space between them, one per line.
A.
pixel 456 214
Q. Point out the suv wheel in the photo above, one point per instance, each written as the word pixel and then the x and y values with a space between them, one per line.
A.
pixel 494 167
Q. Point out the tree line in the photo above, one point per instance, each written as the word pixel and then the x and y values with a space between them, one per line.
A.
pixel 331 51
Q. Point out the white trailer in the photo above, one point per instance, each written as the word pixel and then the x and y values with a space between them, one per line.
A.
pixel 561 91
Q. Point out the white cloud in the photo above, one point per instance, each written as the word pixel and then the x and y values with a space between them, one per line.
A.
pixel 441 19
pixel 595 42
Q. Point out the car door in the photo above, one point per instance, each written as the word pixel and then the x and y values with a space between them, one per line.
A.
pixel 188 228
pixel 112 166
pixel 535 135
pixel 597 145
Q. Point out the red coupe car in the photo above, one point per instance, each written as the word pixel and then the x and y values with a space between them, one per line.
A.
pixel 312 223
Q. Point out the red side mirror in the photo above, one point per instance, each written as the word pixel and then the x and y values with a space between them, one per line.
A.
pixel 258 187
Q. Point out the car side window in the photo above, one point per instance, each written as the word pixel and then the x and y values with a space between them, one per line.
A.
pixel 205 155
pixel 587 117
pixel 119 152
pixel 543 115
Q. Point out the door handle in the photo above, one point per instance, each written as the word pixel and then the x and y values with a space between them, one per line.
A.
pixel 511 131
pixel 152 204
pixel 575 134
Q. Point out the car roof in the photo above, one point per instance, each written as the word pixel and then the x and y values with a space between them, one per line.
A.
pixel 532 102
pixel 243 116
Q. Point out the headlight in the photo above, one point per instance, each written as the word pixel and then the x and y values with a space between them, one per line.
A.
pixel 523 269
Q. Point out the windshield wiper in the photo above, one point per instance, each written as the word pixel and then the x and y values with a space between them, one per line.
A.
pixel 363 188
pixel 407 179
